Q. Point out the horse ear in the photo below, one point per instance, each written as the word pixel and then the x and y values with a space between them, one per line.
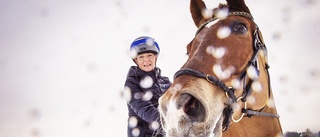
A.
pixel 196 8
pixel 238 5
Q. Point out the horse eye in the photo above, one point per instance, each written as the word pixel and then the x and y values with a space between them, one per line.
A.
pixel 239 28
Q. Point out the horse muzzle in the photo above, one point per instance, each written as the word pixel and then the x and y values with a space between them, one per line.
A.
pixel 187 114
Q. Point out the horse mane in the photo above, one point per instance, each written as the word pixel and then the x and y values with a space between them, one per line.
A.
pixel 234 6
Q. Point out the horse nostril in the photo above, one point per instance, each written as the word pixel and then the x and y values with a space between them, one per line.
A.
pixel 183 100
pixel 192 107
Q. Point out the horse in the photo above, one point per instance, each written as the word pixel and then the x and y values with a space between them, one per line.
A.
pixel 223 89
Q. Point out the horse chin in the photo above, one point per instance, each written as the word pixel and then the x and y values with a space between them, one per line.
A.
pixel 197 130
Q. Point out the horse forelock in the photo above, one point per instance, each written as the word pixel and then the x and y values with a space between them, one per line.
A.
pixel 238 5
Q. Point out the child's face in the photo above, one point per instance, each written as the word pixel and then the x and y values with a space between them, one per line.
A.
pixel 146 61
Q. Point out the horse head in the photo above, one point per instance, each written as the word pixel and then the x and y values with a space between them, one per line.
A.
pixel 224 86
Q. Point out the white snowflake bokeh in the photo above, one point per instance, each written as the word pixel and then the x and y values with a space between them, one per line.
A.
pixel 63 63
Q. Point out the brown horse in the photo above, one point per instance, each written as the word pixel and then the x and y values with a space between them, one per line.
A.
pixel 223 89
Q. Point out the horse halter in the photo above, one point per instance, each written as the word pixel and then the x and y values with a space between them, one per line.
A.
pixel 258 45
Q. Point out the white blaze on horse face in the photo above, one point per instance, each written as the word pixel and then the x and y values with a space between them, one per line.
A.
pixel 212 23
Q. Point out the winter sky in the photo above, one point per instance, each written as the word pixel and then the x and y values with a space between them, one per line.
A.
pixel 63 63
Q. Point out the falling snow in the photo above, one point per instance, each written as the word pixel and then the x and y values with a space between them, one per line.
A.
pixel 222 13
pixel 236 83
pixel 146 82
pixel 256 86
pixel 224 32
pixel 252 73
pixel 132 122
pixel 207 13
pixel 147 96
pixel 218 53
pixel 63 63
pixel 223 74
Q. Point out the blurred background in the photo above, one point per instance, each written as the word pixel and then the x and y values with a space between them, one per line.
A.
pixel 63 63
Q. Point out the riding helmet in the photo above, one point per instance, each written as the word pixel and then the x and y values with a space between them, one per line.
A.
pixel 144 44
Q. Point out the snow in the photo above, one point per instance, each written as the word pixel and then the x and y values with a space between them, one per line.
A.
pixel 63 63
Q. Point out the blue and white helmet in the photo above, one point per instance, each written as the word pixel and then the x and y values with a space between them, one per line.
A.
pixel 142 45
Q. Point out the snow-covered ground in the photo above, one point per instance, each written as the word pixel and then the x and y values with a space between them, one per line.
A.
pixel 63 62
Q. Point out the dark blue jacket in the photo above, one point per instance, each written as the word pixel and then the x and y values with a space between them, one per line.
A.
pixel 145 108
